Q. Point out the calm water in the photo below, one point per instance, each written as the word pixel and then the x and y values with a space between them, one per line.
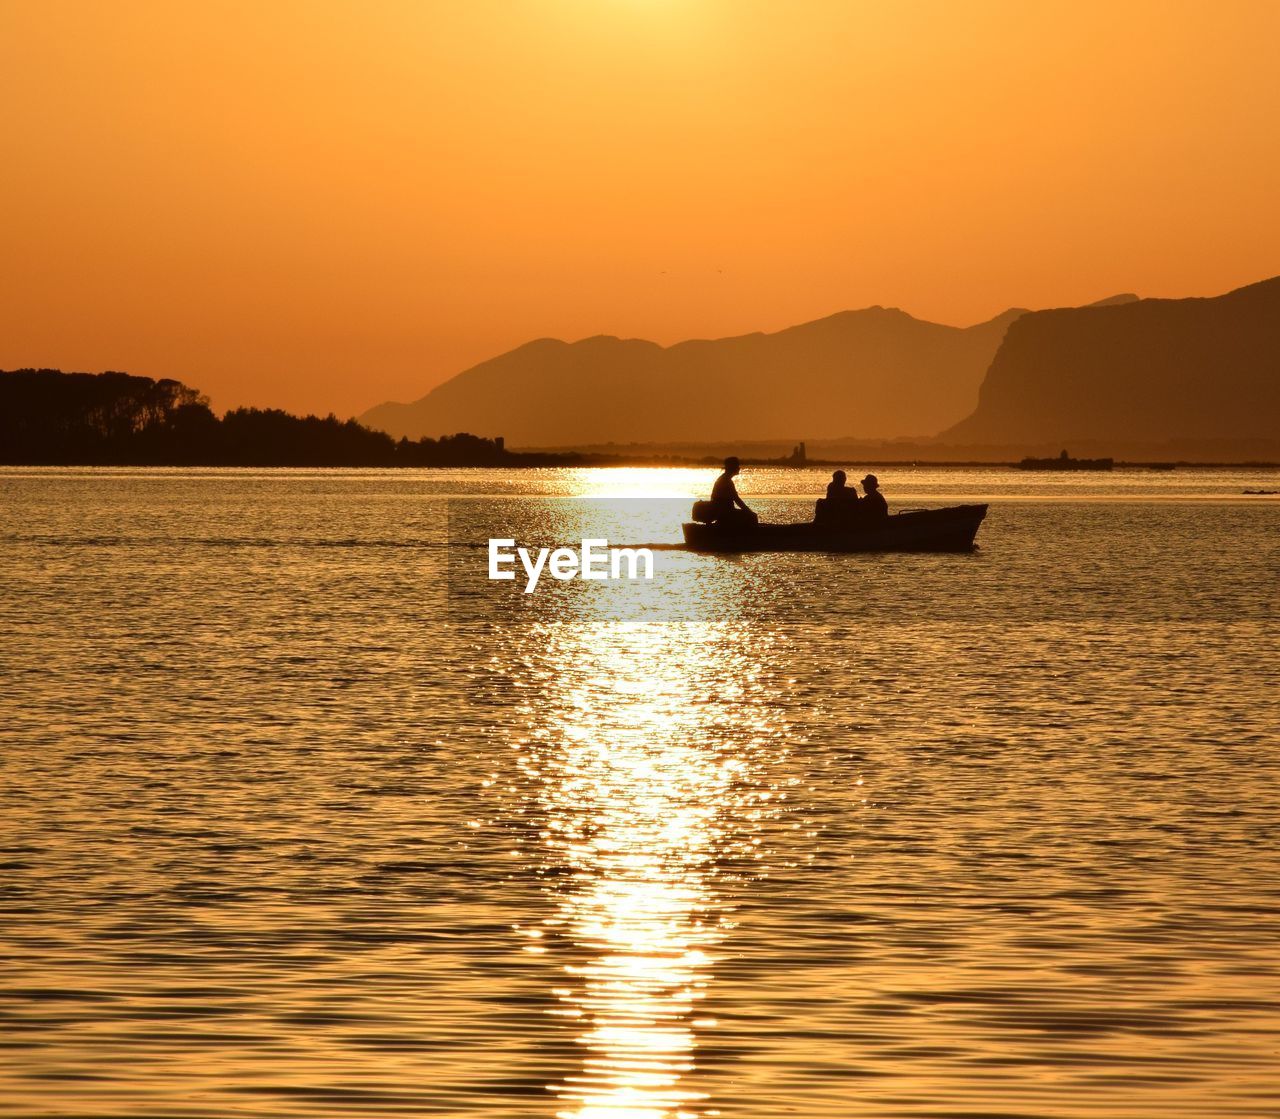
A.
pixel 300 816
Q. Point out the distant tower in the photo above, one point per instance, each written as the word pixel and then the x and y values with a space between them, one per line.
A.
pixel 500 442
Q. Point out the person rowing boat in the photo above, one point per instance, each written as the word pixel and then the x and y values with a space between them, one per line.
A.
pixel 726 506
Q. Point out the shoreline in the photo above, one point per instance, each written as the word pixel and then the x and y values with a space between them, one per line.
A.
pixel 536 461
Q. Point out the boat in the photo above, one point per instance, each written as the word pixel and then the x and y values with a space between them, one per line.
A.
pixel 920 530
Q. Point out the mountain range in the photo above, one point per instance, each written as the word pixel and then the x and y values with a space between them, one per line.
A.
pixel 1124 370
pixel 876 371
pixel 1151 370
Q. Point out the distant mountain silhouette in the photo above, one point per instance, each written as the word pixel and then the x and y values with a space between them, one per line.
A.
pixel 1150 370
pixel 875 372
pixel 1115 300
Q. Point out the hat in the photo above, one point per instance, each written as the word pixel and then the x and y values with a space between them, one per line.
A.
pixel 871 480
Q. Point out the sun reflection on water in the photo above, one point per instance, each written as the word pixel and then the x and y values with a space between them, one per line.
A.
pixel 649 767
pixel 638 482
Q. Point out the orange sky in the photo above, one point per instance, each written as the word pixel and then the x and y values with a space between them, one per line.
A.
pixel 323 206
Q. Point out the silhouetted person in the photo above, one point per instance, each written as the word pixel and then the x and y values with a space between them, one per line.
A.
pixel 727 507
pixel 873 507
pixel 837 490
pixel 841 502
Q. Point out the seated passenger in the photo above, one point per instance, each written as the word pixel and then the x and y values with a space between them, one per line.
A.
pixel 873 507
pixel 727 506
pixel 841 502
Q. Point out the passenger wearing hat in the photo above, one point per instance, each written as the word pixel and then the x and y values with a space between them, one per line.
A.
pixel 873 507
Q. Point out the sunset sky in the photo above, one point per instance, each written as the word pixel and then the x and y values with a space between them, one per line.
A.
pixel 324 206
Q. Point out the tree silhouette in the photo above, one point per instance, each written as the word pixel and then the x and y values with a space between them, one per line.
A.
pixel 48 417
